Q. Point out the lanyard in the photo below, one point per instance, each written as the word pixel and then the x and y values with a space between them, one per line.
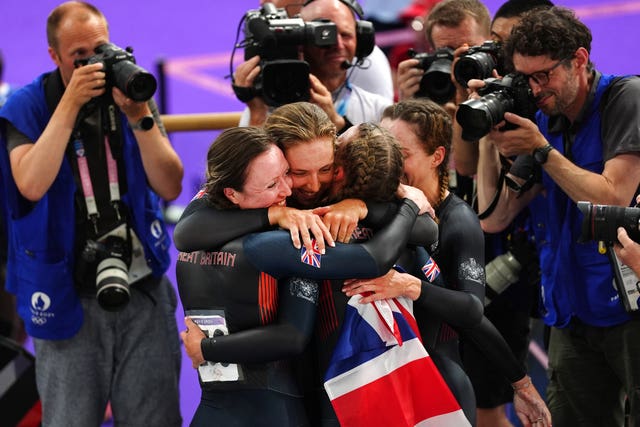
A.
pixel 87 186
pixel 341 104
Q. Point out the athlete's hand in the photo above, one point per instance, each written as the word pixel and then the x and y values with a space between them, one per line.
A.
pixel 417 196
pixel 529 406
pixel 342 218
pixel 192 338
pixel 302 224
pixel 391 285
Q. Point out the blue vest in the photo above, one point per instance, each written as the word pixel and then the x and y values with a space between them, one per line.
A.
pixel 41 235
pixel 576 279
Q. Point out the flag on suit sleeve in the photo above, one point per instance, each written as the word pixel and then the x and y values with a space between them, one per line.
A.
pixel 431 270
pixel 312 257
pixel 381 375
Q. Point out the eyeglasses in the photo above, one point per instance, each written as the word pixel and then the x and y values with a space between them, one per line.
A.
pixel 542 77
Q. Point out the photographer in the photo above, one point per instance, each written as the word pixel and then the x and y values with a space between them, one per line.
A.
pixel 451 26
pixel 330 87
pixel 84 166
pixel 375 74
pixel 454 24
pixel 587 143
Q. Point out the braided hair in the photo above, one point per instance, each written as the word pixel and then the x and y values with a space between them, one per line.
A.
pixel 372 164
pixel 432 125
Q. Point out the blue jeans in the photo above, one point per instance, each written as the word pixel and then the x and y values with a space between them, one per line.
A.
pixel 591 370
pixel 131 358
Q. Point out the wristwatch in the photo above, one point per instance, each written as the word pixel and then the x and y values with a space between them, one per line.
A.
pixel 144 124
pixel 541 154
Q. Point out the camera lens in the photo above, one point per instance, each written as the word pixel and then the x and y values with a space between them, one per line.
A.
pixel 134 81
pixel 284 81
pixel 601 222
pixel 475 66
pixel 437 86
pixel 478 116
pixel 112 284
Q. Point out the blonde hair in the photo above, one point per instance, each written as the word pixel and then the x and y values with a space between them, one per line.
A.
pixel 297 123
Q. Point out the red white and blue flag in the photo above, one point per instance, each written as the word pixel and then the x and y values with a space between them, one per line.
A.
pixel 311 257
pixel 431 270
pixel 380 374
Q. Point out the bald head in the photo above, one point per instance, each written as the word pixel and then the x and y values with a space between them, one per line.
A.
pixel 324 8
pixel 71 11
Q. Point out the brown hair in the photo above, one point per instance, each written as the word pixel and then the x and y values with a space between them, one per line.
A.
pixel 432 125
pixel 228 159
pixel 554 32
pixel 81 10
pixel 297 123
pixel 372 164
pixel 451 13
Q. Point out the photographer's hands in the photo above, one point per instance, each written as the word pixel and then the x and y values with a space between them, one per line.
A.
pixel 244 77
pixel 86 82
pixel 408 78
pixel 628 251
pixel 321 96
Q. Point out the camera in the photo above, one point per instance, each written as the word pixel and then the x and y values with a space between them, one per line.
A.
pixel 601 222
pixel 122 71
pixel 499 96
pixel 113 257
pixel 505 269
pixel 436 82
pixel 479 62
pixel 270 33
pixel 502 272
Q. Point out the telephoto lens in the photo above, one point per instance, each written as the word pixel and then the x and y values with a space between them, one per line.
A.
pixel 501 273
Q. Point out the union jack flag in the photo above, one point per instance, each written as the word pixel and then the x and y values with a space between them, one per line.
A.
pixel 381 375
pixel 311 257
pixel 431 270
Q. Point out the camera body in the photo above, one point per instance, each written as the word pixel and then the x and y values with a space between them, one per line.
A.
pixel 113 257
pixel 270 33
pixel 601 222
pixel 479 62
pixel 436 81
pixel 122 71
pixel 499 96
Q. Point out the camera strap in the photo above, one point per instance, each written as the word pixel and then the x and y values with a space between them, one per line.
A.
pixel 87 186
pixel 496 197
pixel 112 149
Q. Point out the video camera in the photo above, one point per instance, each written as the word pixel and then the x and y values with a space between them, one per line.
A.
pixel 270 33
pixel 499 96
pixel 479 62
pixel 436 82
pixel 601 222
pixel 122 72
